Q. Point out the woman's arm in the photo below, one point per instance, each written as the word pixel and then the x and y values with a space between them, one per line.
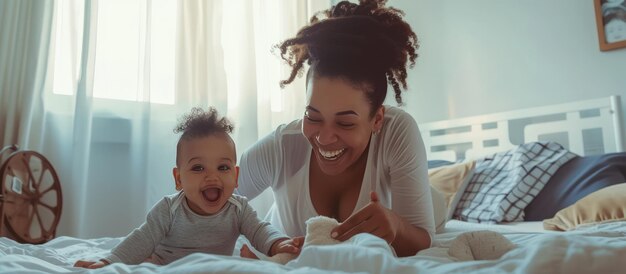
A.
pixel 411 198
pixel 258 165
pixel 409 224
pixel 410 239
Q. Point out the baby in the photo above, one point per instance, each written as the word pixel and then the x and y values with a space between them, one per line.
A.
pixel 204 216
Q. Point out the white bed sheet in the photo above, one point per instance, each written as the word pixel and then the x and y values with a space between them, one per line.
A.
pixel 593 249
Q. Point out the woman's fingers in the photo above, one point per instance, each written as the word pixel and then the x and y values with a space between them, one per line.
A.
pixel 384 234
pixel 371 219
pixel 373 197
pixel 341 231
pixel 368 225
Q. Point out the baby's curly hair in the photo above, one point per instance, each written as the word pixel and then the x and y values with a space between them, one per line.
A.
pixel 200 123
pixel 367 44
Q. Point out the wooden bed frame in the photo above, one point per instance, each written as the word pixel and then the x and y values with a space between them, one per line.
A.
pixel 586 127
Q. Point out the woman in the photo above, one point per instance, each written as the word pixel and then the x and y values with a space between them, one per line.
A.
pixel 349 157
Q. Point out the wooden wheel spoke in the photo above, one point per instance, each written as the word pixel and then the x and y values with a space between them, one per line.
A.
pixel 45 191
pixel 39 220
pixel 30 175
pixel 31 217
pixel 47 206
pixel 38 183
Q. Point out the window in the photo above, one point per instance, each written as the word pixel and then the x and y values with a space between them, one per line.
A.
pixel 134 49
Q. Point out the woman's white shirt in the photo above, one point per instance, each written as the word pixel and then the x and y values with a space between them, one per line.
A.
pixel 396 169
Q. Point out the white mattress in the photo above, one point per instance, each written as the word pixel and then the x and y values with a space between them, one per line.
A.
pixel 594 249
pixel 522 227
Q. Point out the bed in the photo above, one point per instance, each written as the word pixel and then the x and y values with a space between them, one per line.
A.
pixel 590 130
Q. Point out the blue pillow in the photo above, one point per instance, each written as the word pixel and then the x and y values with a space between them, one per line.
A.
pixel 438 163
pixel 574 180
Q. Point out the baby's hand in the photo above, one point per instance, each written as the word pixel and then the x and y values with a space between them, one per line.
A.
pixel 287 245
pixel 90 265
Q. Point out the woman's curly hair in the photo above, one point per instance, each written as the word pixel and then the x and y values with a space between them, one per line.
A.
pixel 366 43
pixel 200 123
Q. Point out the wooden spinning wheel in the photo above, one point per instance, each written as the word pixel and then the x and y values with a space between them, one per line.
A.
pixel 30 197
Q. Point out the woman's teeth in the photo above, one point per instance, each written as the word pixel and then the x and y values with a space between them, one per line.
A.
pixel 331 155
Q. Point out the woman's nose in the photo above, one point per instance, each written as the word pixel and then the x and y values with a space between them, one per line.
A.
pixel 326 137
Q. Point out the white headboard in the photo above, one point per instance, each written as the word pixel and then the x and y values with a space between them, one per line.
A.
pixel 585 127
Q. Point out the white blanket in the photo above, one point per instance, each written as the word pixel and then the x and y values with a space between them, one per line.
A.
pixel 592 249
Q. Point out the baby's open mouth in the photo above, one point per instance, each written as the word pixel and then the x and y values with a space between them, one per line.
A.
pixel 212 194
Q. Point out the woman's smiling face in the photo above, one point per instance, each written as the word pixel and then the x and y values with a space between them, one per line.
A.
pixel 337 122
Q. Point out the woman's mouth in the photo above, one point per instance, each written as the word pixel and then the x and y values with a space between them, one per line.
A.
pixel 331 155
pixel 212 194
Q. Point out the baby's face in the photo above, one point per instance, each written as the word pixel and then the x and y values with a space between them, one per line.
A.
pixel 207 172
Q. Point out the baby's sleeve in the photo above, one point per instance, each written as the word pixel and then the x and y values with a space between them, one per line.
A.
pixel 141 242
pixel 261 234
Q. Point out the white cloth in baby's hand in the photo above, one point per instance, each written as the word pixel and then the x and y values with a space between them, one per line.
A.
pixel 317 233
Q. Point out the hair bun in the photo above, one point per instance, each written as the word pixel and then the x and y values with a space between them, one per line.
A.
pixel 357 40
pixel 361 42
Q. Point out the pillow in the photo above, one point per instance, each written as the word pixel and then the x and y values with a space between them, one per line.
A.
pixel 438 163
pixel 574 180
pixel 605 205
pixel 448 179
pixel 440 210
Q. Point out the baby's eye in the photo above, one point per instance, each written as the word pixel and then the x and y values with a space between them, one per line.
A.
pixel 223 168
pixel 197 168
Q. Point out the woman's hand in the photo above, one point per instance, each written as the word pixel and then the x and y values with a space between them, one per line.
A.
pixel 91 265
pixel 287 245
pixel 373 218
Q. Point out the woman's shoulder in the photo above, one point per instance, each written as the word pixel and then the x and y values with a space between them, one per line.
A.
pixel 294 127
pixel 281 136
pixel 396 117
pixel 394 112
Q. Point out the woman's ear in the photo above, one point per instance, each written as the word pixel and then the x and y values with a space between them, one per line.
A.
pixel 379 118
pixel 176 174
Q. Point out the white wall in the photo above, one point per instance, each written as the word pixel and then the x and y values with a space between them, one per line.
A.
pixel 481 56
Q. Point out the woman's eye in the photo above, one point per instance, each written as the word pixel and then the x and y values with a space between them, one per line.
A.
pixel 197 168
pixel 312 120
pixel 223 168
pixel 345 124
pixel 307 116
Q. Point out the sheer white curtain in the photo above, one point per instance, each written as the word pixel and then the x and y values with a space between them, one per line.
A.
pixel 120 73
pixel 24 39
pixel 255 101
